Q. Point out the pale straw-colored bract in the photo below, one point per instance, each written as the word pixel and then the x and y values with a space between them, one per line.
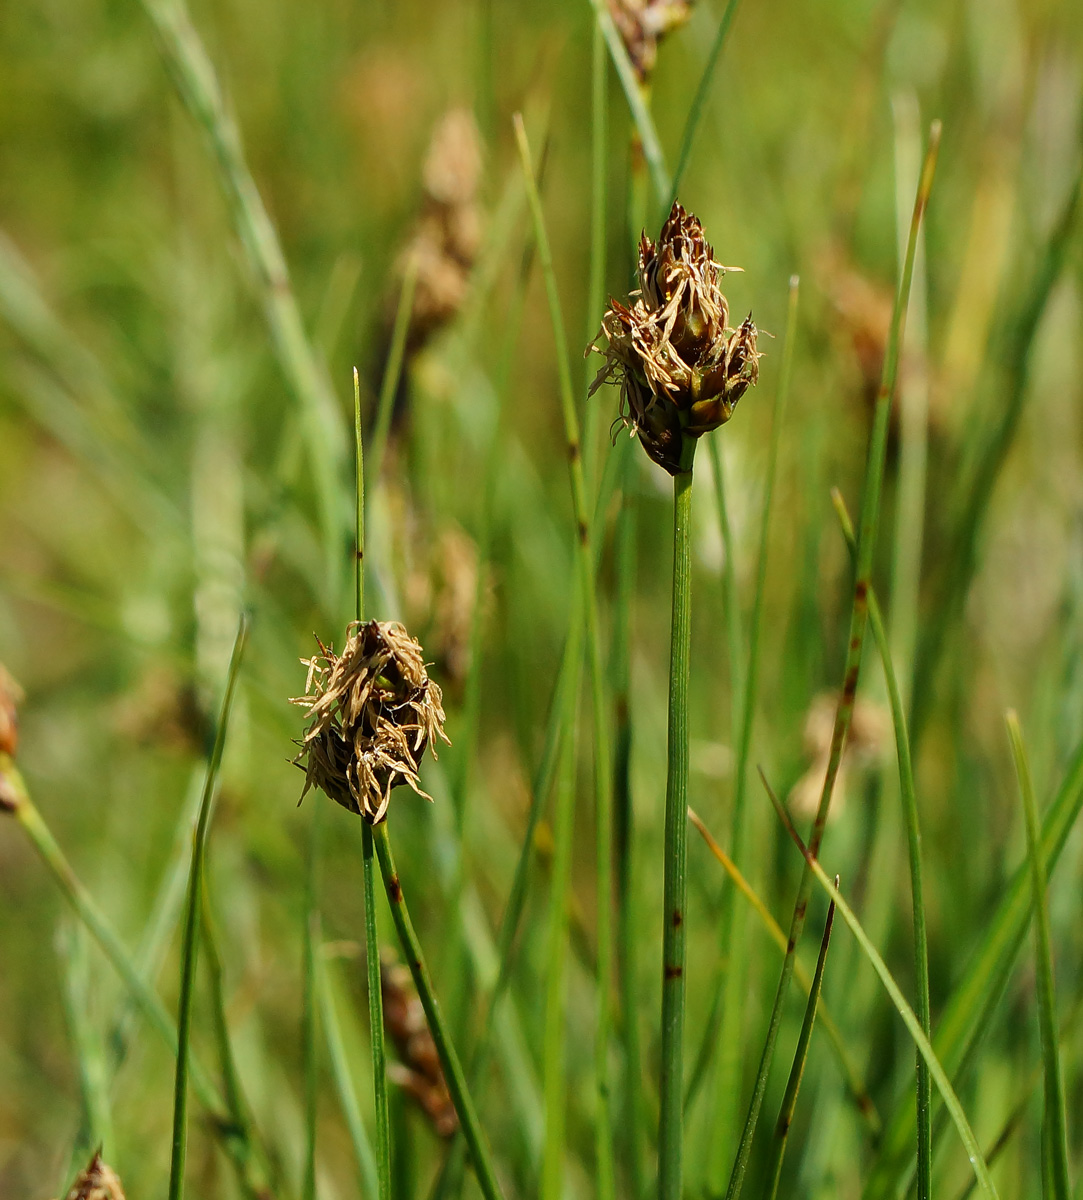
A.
pixel 373 711
pixel 97 1182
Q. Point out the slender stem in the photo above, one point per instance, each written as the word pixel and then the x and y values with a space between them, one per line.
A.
pixel 368 868
pixel 449 1058
pixel 908 795
pixel 1054 1122
pixel 870 512
pixel 602 766
pixel 190 936
pixel 731 1041
pixel 671 1123
pixel 800 1057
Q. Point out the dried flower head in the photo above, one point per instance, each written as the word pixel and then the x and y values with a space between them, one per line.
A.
pixel 680 367
pixel 11 696
pixel 642 24
pixel 870 731
pixel 373 711
pixel 418 1072
pixel 97 1182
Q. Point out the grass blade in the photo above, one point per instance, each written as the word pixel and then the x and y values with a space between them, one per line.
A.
pixel 1054 1121
pixel 986 977
pixel 850 1073
pixel 789 1099
pixel 190 935
pixel 389 385
pixel 310 941
pixel 908 796
pixel 870 511
pixel 910 1020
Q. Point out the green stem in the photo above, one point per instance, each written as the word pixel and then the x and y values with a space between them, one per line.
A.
pixel 309 1009
pixel 190 936
pixel 671 1122
pixel 396 355
pixel 870 513
pixel 449 1058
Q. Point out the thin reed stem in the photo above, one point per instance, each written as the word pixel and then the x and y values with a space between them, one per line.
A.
pixel 731 1041
pixel 389 385
pixel 870 512
pixel 368 867
pixel 449 1058
pixel 800 1057
pixel 908 795
pixel 671 1121
pixel 601 752
pixel 190 935
pixel 1054 1120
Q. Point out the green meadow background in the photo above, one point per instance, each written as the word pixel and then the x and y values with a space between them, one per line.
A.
pixel 164 464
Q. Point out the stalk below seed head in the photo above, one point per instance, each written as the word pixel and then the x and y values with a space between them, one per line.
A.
pixel 680 367
pixel 373 711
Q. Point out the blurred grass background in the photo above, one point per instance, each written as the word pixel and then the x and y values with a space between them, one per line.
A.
pixel 154 479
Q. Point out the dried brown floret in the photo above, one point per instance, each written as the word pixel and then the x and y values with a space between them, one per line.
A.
pixel 419 1072
pixel 373 711
pixel 642 24
pixel 97 1182
pixel 680 368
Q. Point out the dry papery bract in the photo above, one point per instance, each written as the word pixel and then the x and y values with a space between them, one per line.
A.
pixel 866 744
pixel 680 367
pixel 418 1072
pixel 373 711
pixel 97 1182
pixel 642 24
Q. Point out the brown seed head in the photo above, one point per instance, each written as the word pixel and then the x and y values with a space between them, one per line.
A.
pixel 373 711
pixel 419 1072
pixel 97 1182
pixel 642 24
pixel 680 368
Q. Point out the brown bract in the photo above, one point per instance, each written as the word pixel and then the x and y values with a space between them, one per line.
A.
pixel 97 1182
pixel 642 24
pixel 681 369
pixel 373 711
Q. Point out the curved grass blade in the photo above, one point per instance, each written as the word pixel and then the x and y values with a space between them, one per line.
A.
pixel 986 977
pixel 789 1099
pixel 870 512
pixel 910 1020
pixel 190 935
pixel 850 1073
pixel 908 796
pixel 1054 1121
pixel 389 385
